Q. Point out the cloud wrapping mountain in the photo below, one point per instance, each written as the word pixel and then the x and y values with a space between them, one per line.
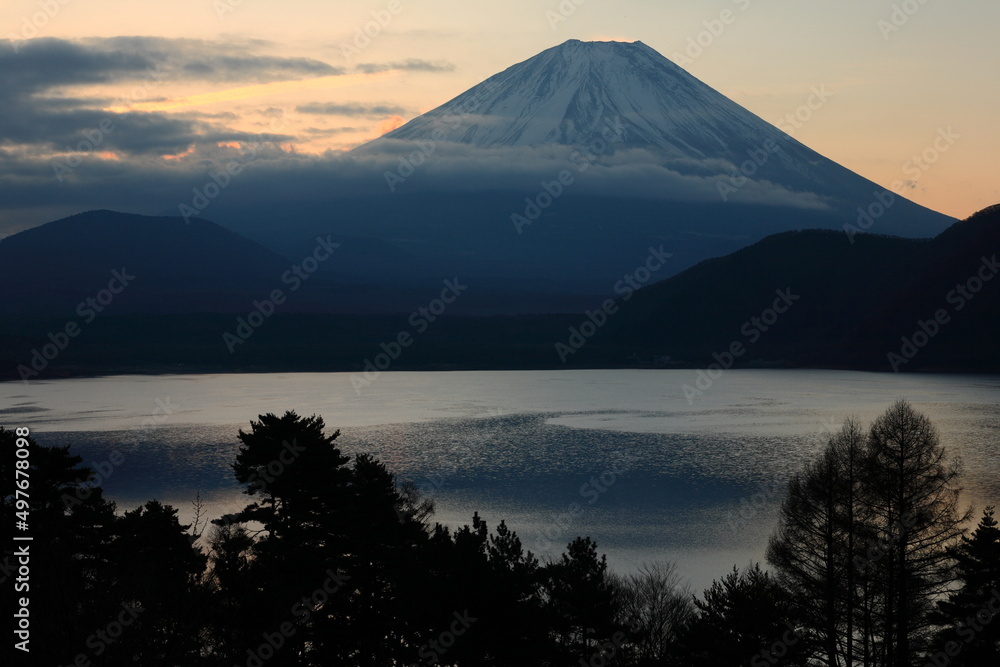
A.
pixel 551 176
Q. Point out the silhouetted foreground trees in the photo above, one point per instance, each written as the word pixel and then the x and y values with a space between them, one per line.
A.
pixel 868 537
pixel 333 562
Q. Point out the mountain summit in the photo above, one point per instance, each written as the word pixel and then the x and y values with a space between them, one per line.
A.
pixel 558 176
pixel 570 93
pixel 580 92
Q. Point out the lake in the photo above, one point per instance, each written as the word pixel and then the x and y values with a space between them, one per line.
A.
pixel 625 456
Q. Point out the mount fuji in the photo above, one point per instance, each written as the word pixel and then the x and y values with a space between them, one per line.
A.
pixel 573 94
pixel 570 93
pixel 558 174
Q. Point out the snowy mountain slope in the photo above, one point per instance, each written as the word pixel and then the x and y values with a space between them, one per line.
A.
pixel 569 93
pixel 583 92
pixel 467 188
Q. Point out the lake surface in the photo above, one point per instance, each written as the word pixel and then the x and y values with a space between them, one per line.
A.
pixel 620 455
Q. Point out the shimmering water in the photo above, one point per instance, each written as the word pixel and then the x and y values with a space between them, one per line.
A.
pixel 620 455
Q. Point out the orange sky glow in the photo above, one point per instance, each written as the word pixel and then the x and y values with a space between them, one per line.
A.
pixel 895 87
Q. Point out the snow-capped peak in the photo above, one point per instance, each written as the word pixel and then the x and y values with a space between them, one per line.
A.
pixel 572 93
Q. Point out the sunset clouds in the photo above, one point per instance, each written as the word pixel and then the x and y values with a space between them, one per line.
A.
pixel 184 83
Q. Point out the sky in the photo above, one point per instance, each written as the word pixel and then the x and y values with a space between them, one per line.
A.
pixel 98 94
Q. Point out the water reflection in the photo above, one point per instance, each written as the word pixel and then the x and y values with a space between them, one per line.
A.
pixel 701 485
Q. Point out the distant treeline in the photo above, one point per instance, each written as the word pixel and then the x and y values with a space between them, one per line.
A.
pixel 336 562
pixel 861 301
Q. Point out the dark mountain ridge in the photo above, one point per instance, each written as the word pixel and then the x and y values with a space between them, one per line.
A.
pixel 855 304
pixel 177 267
pixel 934 303
pixel 648 154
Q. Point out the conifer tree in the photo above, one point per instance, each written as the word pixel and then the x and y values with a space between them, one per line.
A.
pixel 971 614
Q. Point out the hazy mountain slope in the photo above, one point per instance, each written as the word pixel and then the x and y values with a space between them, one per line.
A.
pixel 176 266
pixel 853 305
pixel 580 92
pixel 570 93
pixel 850 306
pixel 658 145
